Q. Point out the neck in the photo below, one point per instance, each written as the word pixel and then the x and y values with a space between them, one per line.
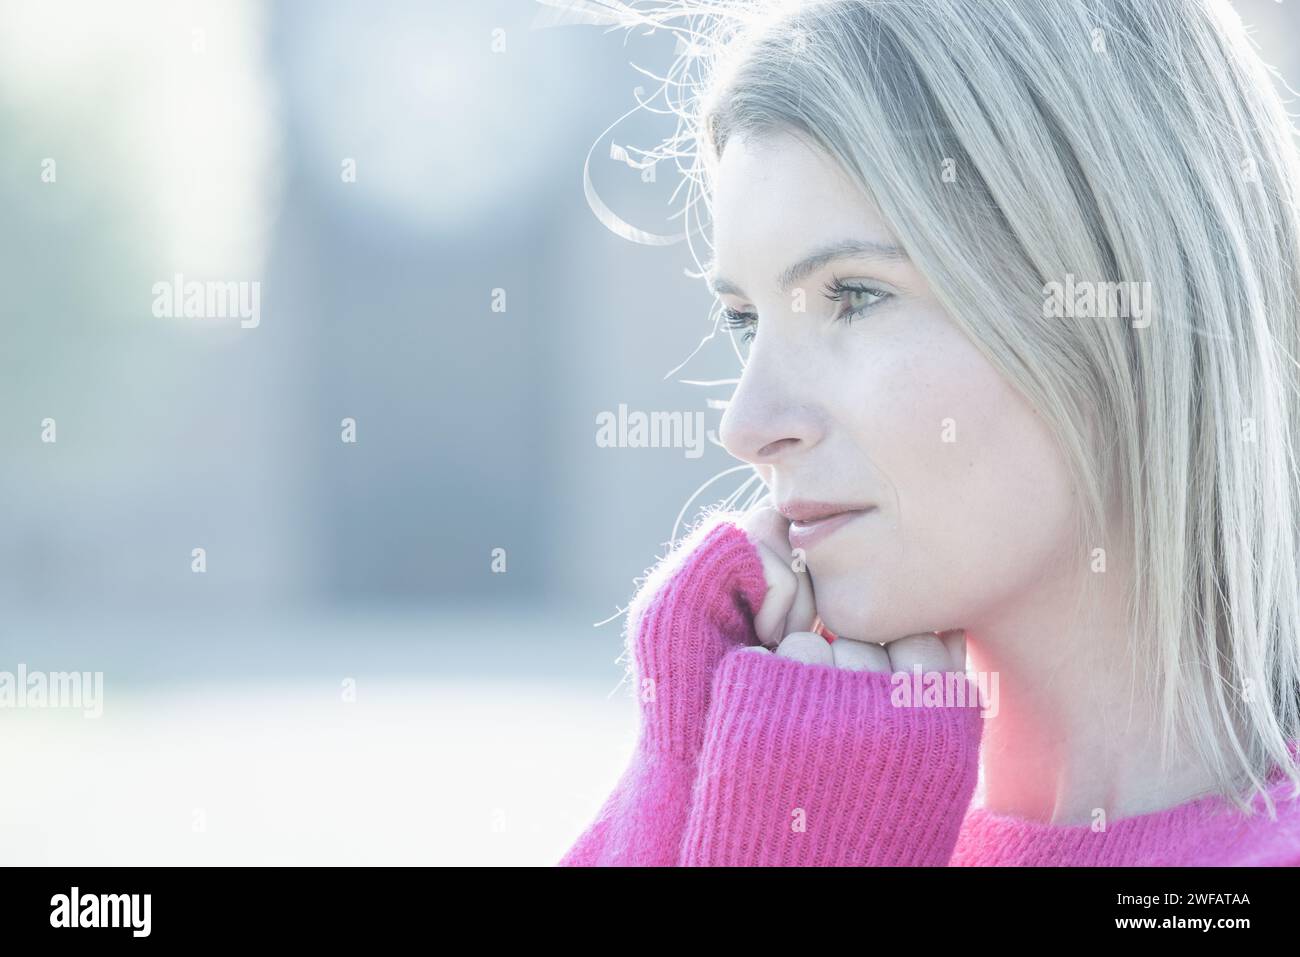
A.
pixel 1076 729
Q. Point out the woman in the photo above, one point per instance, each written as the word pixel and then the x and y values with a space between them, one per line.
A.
pixel 1016 284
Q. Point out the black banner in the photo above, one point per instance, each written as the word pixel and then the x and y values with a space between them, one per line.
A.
pixel 137 906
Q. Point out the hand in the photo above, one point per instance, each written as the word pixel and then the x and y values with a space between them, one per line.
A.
pixel 784 622
pixel 789 604
pixel 941 651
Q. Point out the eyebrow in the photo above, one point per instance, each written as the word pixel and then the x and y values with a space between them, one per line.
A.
pixel 819 257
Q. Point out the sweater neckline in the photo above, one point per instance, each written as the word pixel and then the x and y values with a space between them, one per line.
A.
pixel 1123 840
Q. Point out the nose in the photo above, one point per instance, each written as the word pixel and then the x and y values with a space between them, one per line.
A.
pixel 773 413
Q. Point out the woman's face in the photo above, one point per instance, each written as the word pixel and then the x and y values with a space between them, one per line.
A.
pixel 878 402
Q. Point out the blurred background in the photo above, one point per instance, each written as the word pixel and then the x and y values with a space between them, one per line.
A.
pixel 388 650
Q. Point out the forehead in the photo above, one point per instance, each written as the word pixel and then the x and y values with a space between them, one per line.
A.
pixel 777 194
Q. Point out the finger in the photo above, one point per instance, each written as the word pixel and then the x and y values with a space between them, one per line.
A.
pixel 769 622
pixel 765 524
pixel 926 650
pixel 859 655
pixel 803 611
pixel 955 642
pixel 806 647
pixel 759 648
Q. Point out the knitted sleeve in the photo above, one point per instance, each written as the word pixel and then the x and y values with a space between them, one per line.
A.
pixel 696 604
pixel 811 765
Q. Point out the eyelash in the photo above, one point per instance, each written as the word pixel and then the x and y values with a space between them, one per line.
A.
pixel 835 290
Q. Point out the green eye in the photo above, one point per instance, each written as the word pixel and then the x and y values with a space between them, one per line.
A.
pixel 857 298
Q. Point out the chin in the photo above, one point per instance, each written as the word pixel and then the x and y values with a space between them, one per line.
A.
pixel 852 607
pixel 846 607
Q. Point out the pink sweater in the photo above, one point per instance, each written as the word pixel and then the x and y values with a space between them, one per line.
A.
pixel 750 759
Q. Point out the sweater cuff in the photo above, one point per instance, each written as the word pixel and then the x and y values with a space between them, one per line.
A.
pixel 642 821
pixel 699 606
pixel 811 765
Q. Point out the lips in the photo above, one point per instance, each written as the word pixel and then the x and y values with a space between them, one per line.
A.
pixel 810 522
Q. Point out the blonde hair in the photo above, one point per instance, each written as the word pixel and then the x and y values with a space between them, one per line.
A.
pixel 1009 145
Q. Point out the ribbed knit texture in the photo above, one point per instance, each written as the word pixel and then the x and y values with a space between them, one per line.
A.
pixel 745 758
pixel 695 605
pixel 812 764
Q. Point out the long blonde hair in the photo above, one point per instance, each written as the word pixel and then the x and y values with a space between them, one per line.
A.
pixel 1010 144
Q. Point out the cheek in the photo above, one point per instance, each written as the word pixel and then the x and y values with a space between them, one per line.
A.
pixel 975 500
